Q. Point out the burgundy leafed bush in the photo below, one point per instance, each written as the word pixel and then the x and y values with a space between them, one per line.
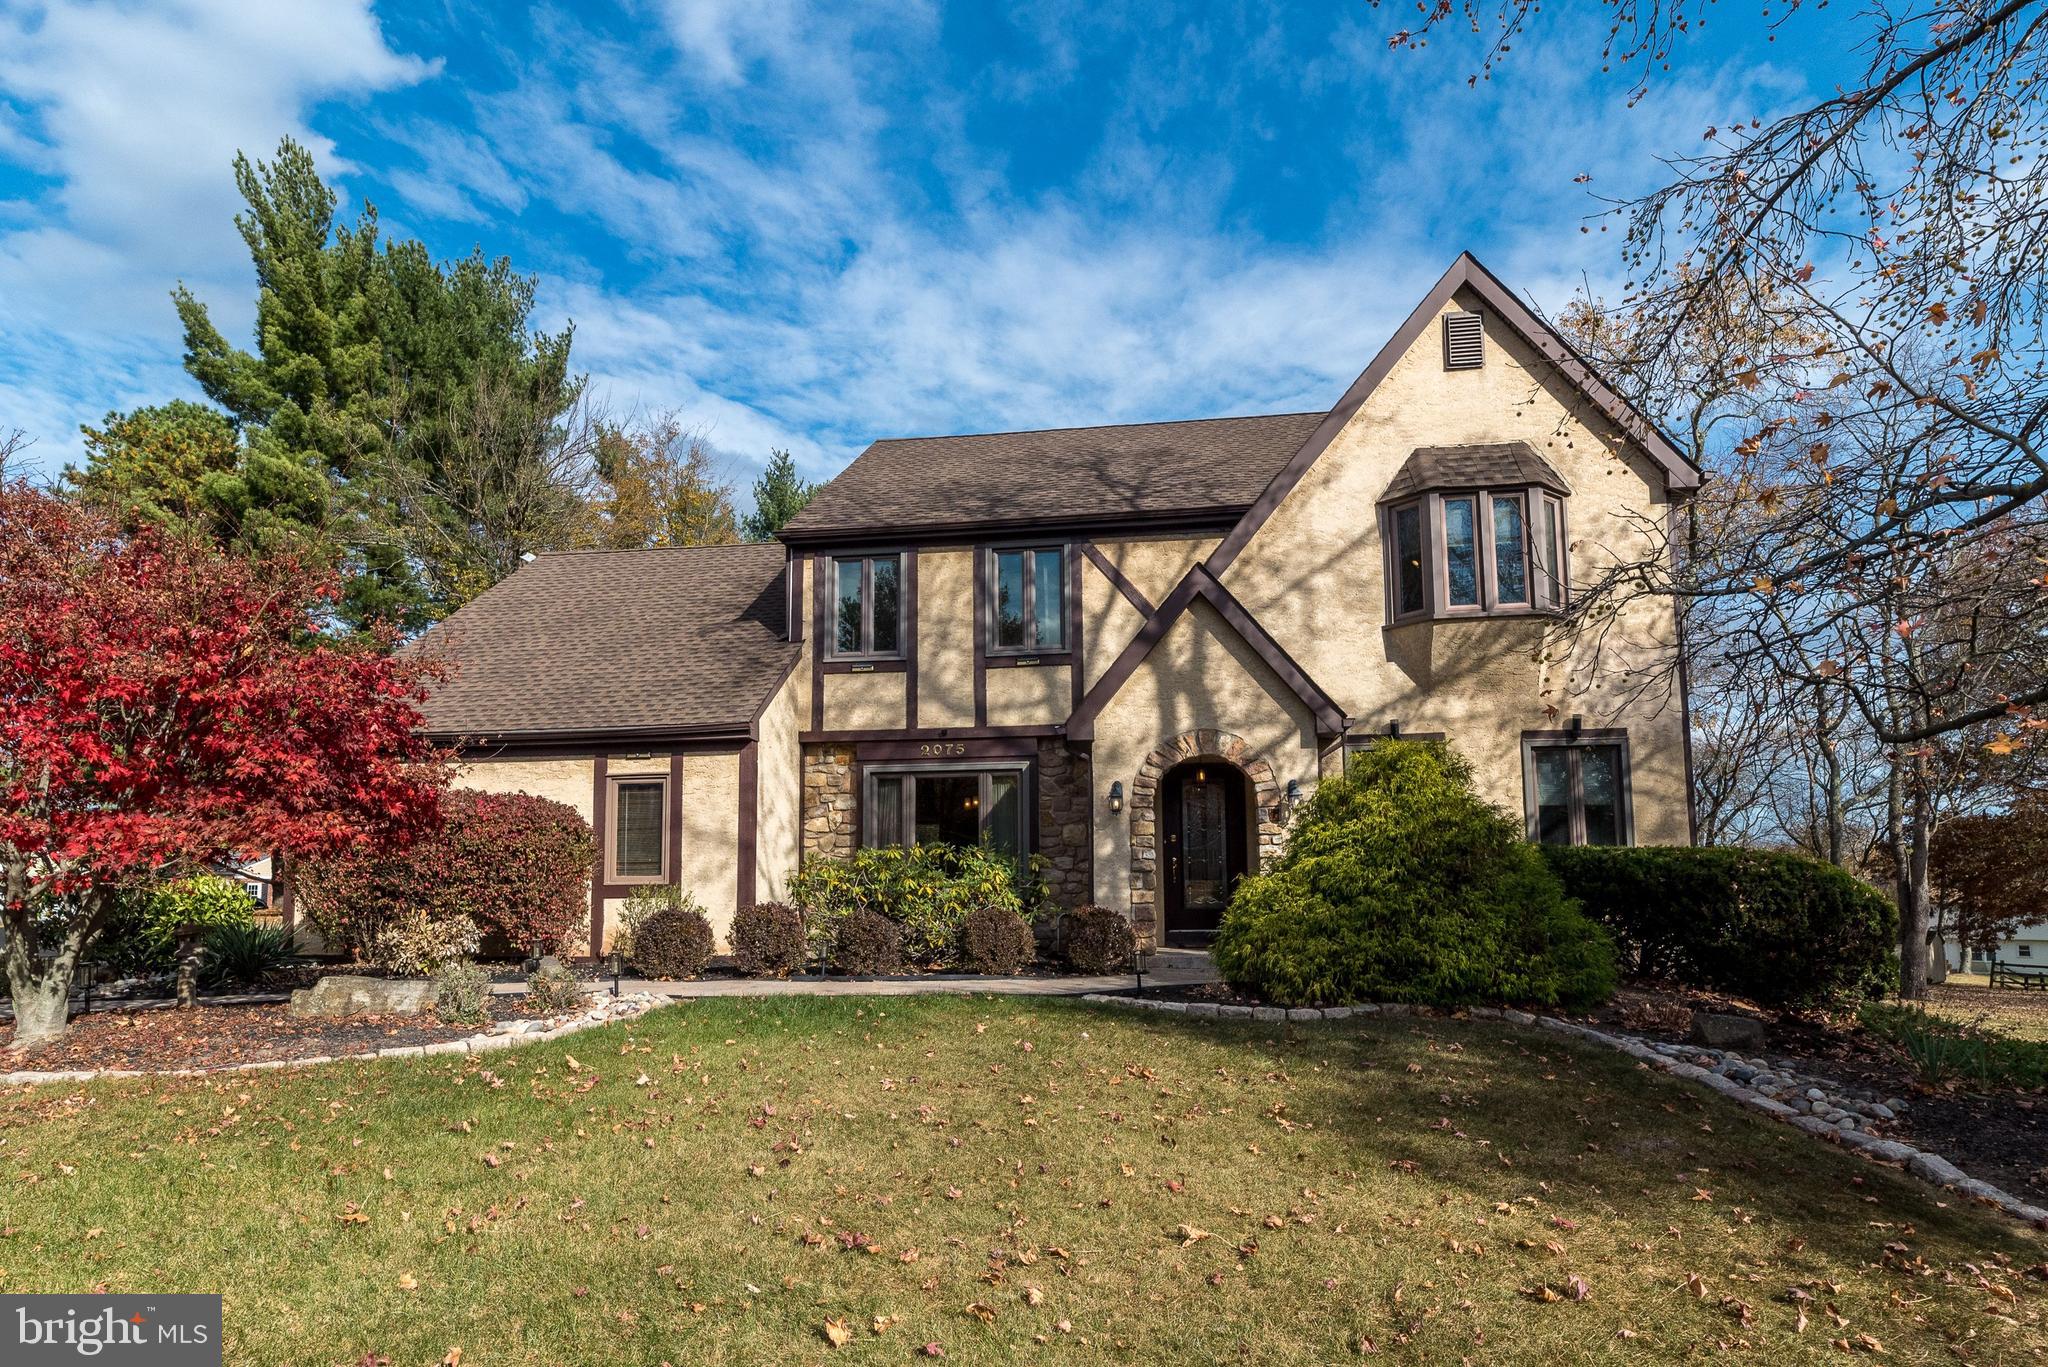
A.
pixel 515 864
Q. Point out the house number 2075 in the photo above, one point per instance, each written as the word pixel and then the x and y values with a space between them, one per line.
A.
pixel 942 747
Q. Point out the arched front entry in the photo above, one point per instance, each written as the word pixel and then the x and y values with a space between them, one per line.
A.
pixel 1204 830
pixel 1150 812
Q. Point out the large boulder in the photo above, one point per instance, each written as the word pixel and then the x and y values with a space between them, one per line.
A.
pixel 1718 1031
pixel 347 994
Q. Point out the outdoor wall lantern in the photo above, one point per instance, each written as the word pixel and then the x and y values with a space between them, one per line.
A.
pixel 1576 725
pixel 615 964
pixel 1116 796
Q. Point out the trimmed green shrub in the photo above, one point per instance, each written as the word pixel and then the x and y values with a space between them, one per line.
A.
pixel 552 990
pixel 1400 884
pixel 927 890
pixel 674 941
pixel 1096 939
pixel 245 955
pixel 1781 929
pixel 996 940
pixel 869 943
pixel 462 990
pixel 768 940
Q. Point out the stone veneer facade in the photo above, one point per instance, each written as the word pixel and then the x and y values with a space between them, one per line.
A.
pixel 1060 779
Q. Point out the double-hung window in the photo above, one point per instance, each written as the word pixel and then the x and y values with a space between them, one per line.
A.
pixel 637 844
pixel 1475 552
pixel 924 804
pixel 1577 791
pixel 867 607
pixel 1027 600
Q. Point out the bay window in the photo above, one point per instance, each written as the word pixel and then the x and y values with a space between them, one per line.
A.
pixel 1475 552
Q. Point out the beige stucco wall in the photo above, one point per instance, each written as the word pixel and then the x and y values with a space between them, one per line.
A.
pixel 1313 575
pixel 778 838
pixel 710 863
pixel 867 702
pixel 1155 564
pixel 1201 675
pixel 1033 695
pixel 1108 622
pixel 945 638
pixel 567 781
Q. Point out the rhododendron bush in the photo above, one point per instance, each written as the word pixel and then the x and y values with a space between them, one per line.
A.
pixel 163 705
pixel 516 865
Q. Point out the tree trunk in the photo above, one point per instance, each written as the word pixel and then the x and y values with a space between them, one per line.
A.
pixel 42 989
pixel 1913 889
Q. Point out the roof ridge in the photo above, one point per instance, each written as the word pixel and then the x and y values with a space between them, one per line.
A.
pixel 636 550
pixel 1102 426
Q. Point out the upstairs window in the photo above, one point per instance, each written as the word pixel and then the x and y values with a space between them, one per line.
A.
pixel 868 607
pixel 1475 552
pixel 1028 601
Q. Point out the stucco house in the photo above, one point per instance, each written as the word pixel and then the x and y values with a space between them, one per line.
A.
pixel 1128 649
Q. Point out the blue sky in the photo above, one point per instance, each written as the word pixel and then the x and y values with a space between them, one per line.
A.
pixel 810 226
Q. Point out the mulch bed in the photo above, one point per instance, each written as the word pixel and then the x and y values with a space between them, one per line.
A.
pixel 216 1036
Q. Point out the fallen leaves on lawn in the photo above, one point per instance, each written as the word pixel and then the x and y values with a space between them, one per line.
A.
pixel 1189 1235
pixel 837 1333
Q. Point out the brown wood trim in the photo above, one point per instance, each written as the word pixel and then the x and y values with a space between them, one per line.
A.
pixel 1214 519
pixel 848 737
pixel 781 681
pixel 1198 582
pixel 1680 474
pixel 600 792
pixel 908 633
pixel 1358 740
pixel 980 636
pixel 749 823
pixel 797 612
pixel 724 743
pixel 918 751
pixel 1076 644
pixel 818 639
pixel 891 666
pixel 1117 577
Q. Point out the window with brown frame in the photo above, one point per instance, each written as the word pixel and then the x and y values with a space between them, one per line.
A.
pixel 1027 600
pixel 636 846
pixel 867 607
pixel 1475 552
pixel 1576 791
pixel 945 804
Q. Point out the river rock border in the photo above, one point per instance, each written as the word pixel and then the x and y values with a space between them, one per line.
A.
pixel 1827 1115
pixel 504 1035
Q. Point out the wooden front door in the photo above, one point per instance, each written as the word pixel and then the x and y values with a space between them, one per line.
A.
pixel 1202 827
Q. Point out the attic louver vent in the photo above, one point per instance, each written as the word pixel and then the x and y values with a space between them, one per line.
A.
pixel 1464 342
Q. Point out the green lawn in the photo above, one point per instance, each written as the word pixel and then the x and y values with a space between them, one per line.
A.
pixel 1030 1181
pixel 2009 1011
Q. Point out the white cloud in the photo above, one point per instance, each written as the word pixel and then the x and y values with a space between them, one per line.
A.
pixel 136 112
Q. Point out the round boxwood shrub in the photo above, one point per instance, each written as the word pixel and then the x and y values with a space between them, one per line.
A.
pixel 673 941
pixel 1096 939
pixel 868 943
pixel 1400 884
pixel 1778 928
pixel 996 940
pixel 768 940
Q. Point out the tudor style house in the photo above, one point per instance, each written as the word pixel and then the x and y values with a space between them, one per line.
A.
pixel 1129 649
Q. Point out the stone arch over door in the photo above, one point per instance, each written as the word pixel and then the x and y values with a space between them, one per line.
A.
pixel 1268 834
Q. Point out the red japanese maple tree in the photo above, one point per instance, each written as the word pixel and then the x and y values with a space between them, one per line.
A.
pixel 163 704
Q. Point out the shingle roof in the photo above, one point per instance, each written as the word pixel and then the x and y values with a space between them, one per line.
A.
pixel 1204 466
pixel 678 639
pixel 1486 466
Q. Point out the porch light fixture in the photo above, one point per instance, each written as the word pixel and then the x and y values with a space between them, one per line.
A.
pixel 1140 956
pixel 1576 725
pixel 615 964
pixel 1393 730
pixel 1293 791
pixel 1116 797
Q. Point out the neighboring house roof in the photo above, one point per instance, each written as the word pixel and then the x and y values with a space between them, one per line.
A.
pixel 1488 466
pixel 670 641
pixel 1212 467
